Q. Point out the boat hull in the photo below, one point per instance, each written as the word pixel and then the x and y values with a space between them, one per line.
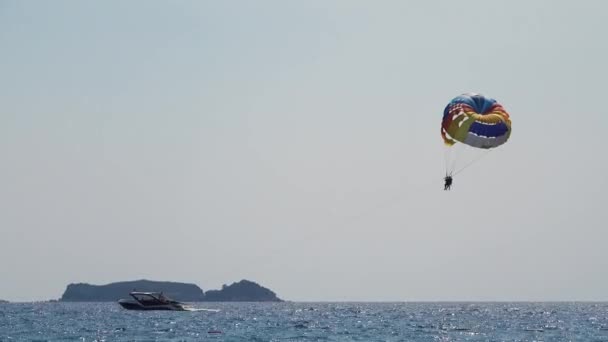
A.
pixel 132 305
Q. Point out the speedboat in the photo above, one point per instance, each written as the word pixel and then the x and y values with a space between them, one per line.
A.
pixel 151 301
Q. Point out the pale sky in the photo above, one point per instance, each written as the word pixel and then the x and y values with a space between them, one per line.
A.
pixel 296 144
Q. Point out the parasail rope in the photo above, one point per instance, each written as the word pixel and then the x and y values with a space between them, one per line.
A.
pixel 473 161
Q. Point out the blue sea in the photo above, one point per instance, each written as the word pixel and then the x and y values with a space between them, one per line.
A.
pixel 308 322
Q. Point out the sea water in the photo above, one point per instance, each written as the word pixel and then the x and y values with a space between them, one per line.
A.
pixel 308 322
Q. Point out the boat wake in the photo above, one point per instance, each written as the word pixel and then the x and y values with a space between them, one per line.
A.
pixel 201 309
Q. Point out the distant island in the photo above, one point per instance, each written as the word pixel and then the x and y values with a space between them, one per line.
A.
pixel 3 301
pixel 242 291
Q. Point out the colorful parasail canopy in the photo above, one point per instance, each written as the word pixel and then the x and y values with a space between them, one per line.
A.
pixel 475 120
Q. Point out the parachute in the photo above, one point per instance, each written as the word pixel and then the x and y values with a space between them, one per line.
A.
pixel 476 121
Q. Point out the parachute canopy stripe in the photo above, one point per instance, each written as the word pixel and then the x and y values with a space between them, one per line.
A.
pixel 478 103
pixel 490 131
pixel 484 142
pixel 475 120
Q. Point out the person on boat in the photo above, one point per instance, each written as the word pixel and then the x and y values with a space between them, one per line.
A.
pixel 448 183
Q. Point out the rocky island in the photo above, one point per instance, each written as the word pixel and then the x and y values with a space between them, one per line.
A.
pixel 242 291
pixel 3 301
pixel 83 292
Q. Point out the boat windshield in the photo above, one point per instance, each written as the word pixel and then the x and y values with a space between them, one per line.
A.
pixel 150 299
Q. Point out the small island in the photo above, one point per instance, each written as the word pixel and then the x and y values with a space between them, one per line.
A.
pixel 4 301
pixel 83 292
pixel 242 291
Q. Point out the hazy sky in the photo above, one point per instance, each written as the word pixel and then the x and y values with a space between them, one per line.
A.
pixel 296 144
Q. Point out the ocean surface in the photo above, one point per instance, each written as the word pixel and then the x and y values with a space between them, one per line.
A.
pixel 308 322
